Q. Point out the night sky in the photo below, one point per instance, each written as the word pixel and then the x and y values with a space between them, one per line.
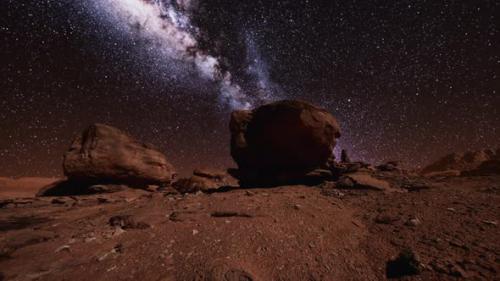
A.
pixel 408 80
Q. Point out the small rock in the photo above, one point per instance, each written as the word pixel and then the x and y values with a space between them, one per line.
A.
pixel 363 181
pixel 413 222
pixel 494 223
pixel 344 157
pixel 195 232
pixel 102 200
pixel 63 248
pixel 388 166
pixel 58 201
pixel 386 219
pixel 406 263
pixel 89 239
pixel 105 188
pixel 127 222
pixel 223 214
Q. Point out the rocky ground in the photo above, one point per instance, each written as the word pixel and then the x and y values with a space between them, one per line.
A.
pixel 445 228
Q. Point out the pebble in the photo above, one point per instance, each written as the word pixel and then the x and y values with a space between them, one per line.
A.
pixel 63 248
pixel 490 222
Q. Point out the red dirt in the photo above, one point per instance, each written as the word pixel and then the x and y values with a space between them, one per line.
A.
pixel 283 233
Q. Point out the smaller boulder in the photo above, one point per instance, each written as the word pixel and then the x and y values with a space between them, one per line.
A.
pixel 389 166
pixel 363 181
pixel 127 222
pixel 104 154
pixel 202 180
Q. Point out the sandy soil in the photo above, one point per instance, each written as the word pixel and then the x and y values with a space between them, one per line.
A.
pixel 22 187
pixel 283 233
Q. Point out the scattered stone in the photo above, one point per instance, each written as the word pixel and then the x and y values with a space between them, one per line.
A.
pixel 389 166
pixel 363 181
pixel 413 222
pixel 102 200
pixel 195 232
pixel 386 219
pixel 318 176
pixel 339 169
pixel 210 174
pixel 225 214
pixel 127 222
pixel 106 188
pixel 414 184
pixel 249 193
pixel 116 250
pixel 494 223
pixel 5 203
pixel 58 201
pixel 405 264
pixel 196 183
pixel 332 192
pixel 63 248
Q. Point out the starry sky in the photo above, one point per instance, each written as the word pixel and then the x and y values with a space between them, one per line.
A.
pixel 408 80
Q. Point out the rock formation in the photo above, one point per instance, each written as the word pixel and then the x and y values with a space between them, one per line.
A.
pixel 464 162
pixel 106 154
pixel 285 136
pixel 202 180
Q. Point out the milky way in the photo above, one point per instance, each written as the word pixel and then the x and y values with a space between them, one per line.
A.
pixel 167 28
pixel 408 80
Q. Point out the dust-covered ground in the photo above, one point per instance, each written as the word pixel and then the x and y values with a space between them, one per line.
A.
pixel 280 233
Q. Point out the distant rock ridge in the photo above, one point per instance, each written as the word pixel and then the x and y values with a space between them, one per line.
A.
pixel 471 162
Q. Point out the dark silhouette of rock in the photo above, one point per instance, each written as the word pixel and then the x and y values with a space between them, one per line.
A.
pixel 405 264
pixel 389 166
pixel 127 222
pixel 76 187
pixel 106 154
pixel 490 167
pixel 344 158
pixel 461 161
pixel 283 137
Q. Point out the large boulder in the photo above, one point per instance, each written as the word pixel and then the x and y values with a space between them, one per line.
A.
pixel 283 136
pixel 105 154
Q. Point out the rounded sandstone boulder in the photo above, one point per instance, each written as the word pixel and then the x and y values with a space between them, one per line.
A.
pixel 105 154
pixel 283 135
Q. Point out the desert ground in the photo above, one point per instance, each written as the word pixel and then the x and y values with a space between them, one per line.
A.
pixel 280 233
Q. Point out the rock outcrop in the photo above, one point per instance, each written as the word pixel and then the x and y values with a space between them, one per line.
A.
pixel 464 162
pixel 202 180
pixel 285 136
pixel 105 154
